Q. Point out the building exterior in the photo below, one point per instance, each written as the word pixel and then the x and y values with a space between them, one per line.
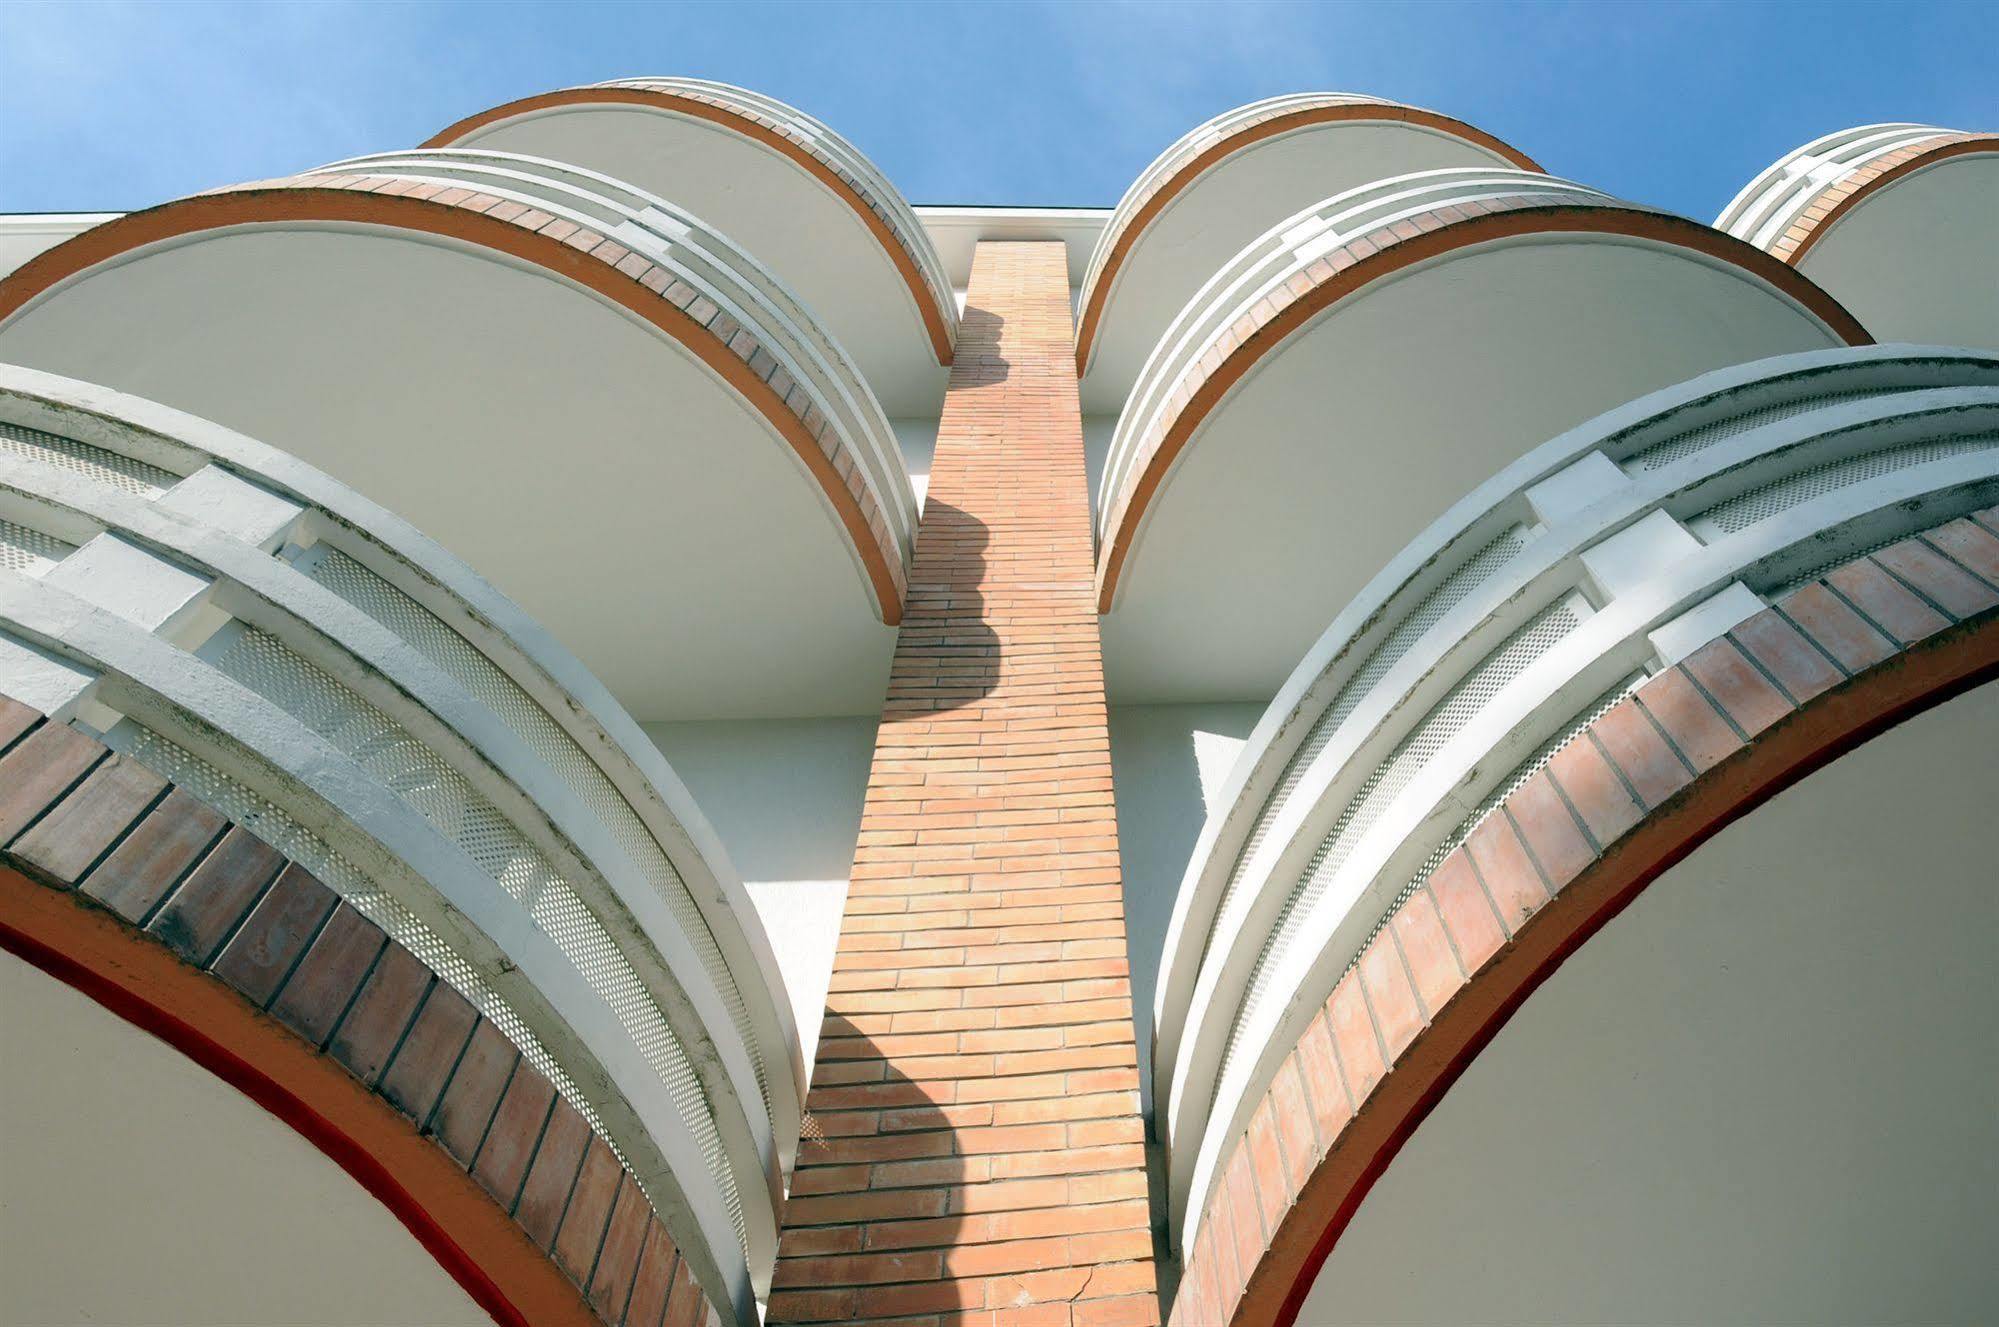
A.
pixel 605 723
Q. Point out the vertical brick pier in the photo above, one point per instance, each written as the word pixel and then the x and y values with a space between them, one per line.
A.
pixel 973 1155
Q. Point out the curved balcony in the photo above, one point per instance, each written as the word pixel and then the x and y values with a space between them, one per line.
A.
pixel 777 181
pixel 1330 389
pixel 1895 220
pixel 334 682
pixel 704 421
pixel 1530 607
pixel 1211 192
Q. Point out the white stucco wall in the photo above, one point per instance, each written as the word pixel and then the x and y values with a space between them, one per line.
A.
pixel 136 1187
pixel 1765 1093
pixel 785 795
pixel 1169 763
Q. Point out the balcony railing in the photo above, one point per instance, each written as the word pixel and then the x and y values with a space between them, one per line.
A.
pixel 1527 609
pixel 339 685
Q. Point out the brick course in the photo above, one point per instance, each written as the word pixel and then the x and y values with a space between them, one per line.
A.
pixel 1841 196
pixel 1705 741
pixel 973 1153
pixel 93 845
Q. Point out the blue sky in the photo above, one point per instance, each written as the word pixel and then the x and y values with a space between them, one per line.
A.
pixel 112 105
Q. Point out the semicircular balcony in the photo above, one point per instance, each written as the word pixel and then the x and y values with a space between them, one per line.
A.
pixel 327 678
pixel 1894 220
pixel 1330 390
pixel 571 351
pixel 1214 190
pixel 781 184
pixel 1526 611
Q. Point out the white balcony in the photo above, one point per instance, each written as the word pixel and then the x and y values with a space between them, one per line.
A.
pixel 1896 221
pixel 1363 363
pixel 695 447
pixel 1535 602
pixel 339 685
pixel 781 184
pixel 1219 185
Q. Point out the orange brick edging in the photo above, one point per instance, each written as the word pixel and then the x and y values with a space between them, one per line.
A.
pixel 152 904
pixel 1841 197
pixel 1365 259
pixel 575 252
pixel 973 1153
pixel 1205 154
pixel 773 133
pixel 1698 746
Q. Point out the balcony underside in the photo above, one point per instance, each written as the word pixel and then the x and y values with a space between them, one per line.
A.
pixel 590 465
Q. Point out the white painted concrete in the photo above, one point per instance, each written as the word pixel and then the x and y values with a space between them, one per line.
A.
pixel 1763 1094
pixel 785 795
pixel 1367 425
pixel 1919 260
pixel 1169 763
pixel 136 1187
pixel 810 236
pixel 539 433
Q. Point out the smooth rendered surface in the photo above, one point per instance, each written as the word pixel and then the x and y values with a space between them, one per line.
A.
pixel 1761 1094
pixel 548 438
pixel 1348 439
pixel 140 1188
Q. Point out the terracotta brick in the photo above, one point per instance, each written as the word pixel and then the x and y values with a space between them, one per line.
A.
pixel 1426 947
pixel 429 1053
pixel 1886 602
pixel 1319 1071
pixel 1398 1014
pixel 653 1279
pixel 381 1012
pixel 1736 685
pixel 39 770
pixel 84 825
pixel 514 1134
pixel 1509 875
pixel 1830 623
pixel 155 856
pixel 552 1174
pixel 1965 542
pixel 339 959
pixel 1938 579
pixel 259 957
pixel 1637 750
pixel 1468 916
pixel 1778 648
pixel 16 720
pixel 589 1214
pixel 1354 1038
pixel 618 1262
pixel 474 1092
pixel 1548 828
pixel 1693 725
pixel 204 911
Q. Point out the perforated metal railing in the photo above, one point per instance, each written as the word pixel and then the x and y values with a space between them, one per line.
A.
pixel 333 644
pixel 1768 204
pixel 710 263
pixel 1525 611
pixel 1274 258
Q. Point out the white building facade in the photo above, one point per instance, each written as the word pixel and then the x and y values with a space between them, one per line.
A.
pixel 605 722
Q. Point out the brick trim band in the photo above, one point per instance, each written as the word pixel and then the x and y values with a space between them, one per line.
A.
pixel 1381 253
pixel 973 1154
pixel 1198 157
pixel 1837 199
pixel 772 133
pixel 572 252
pixel 1696 748
pixel 152 904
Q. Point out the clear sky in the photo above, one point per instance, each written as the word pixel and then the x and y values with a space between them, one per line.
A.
pixel 114 105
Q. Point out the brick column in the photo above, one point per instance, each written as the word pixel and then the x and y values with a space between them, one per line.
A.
pixel 973 1151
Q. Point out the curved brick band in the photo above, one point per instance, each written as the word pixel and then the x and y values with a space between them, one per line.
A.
pixel 152 904
pixel 1344 271
pixel 1841 197
pixel 1701 745
pixel 808 153
pixel 573 252
pixel 1196 156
